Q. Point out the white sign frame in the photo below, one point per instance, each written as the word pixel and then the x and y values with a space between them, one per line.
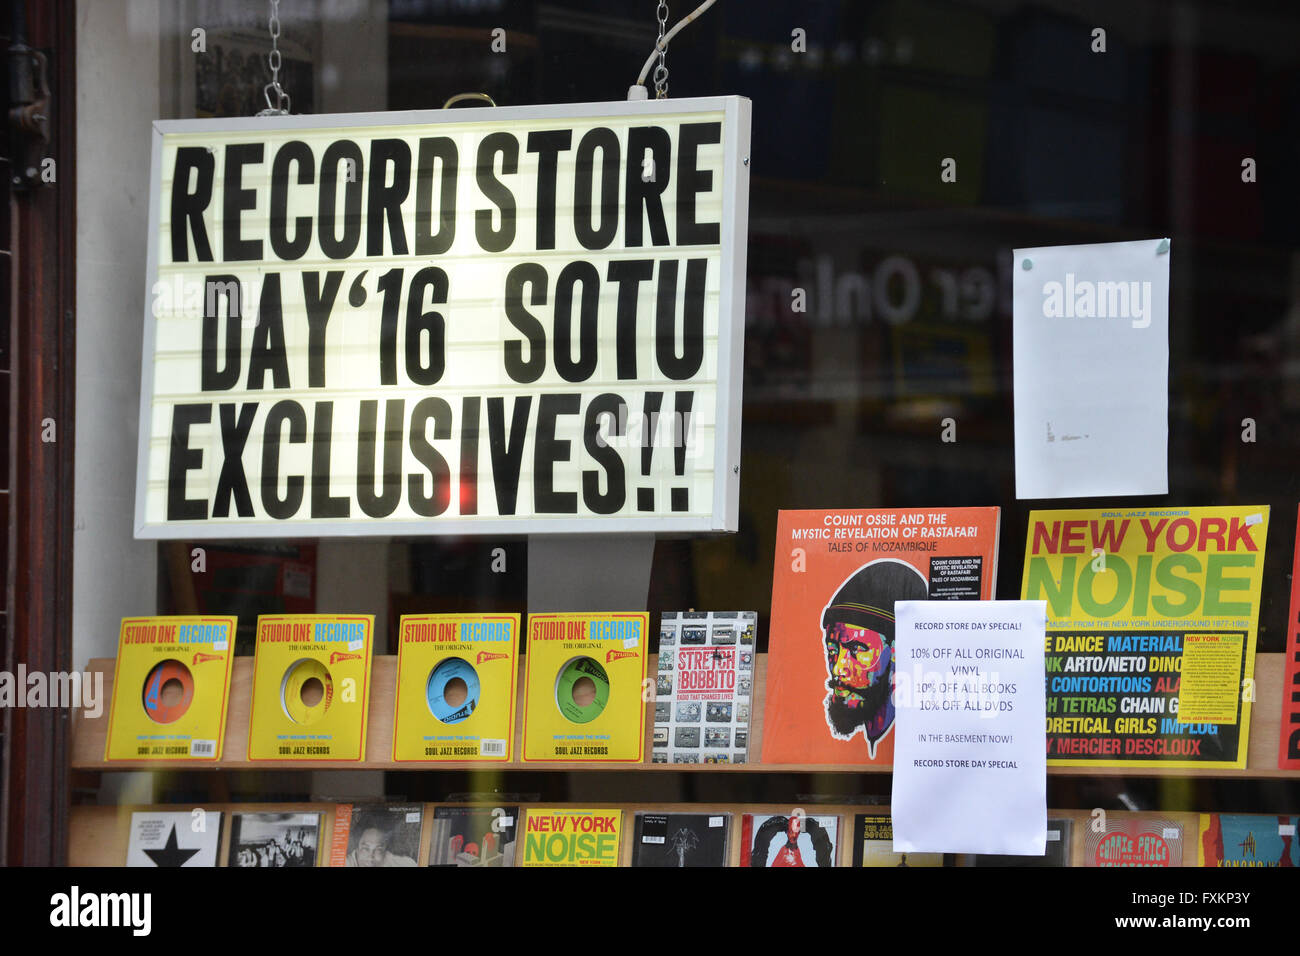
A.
pixel 731 324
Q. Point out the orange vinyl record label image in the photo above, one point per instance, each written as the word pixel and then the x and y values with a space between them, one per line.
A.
pixel 168 692
pixel 830 671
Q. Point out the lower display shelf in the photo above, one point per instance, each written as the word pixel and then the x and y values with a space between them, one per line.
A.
pixel 99 835
pixel 90 733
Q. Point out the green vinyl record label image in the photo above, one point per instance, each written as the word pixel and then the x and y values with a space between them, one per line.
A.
pixel 574 690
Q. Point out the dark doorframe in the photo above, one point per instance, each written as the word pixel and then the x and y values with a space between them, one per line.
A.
pixel 39 364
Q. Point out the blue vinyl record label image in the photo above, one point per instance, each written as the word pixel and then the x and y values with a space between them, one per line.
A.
pixel 451 669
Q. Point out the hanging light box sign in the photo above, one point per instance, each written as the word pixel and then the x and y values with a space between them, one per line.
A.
pixel 522 319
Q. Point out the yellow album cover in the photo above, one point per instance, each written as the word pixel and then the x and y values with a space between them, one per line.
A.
pixel 583 697
pixel 170 687
pixel 571 837
pixel 456 687
pixel 1152 619
pixel 311 678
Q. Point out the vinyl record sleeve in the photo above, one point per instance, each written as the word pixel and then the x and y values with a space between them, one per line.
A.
pixel 1288 747
pixel 202 647
pixel 341 645
pixel 837 574
pixel 484 730
pixel 1152 616
pixel 616 643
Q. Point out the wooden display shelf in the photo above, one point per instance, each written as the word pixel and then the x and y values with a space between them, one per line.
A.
pixel 89 734
pixel 98 835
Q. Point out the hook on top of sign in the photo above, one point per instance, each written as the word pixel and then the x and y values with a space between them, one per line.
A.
pixel 280 107
pixel 638 91
pixel 461 97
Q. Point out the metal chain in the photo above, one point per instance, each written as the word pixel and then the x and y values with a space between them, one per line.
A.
pixel 281 105
pixel 661 70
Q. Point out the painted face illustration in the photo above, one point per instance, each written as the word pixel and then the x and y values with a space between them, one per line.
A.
pixel 860 664
pixel 857 658
pixel 858 640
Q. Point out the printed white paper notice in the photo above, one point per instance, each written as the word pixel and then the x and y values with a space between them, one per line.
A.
pixel 1091 369
pixel 970 752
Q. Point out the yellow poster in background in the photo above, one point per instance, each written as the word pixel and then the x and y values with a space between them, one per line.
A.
pixel 311 682
pixel 1152 616
pixel 170 688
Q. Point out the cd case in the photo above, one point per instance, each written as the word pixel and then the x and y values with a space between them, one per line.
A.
pixel 274 840
pixel 473 836
pixel 681 839
pixel 376 835
pixel 174 838
pixel 789 841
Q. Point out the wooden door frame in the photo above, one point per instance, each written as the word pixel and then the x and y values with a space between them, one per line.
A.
pixel 34 773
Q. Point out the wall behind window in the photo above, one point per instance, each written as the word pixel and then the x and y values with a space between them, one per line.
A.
pixel 117 98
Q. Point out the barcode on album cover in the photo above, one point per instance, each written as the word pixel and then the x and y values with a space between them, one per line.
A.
pixel 203 748
pixel 492 748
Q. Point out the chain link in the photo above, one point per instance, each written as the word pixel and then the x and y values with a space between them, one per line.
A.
pixel 661 70
pixel 281 105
